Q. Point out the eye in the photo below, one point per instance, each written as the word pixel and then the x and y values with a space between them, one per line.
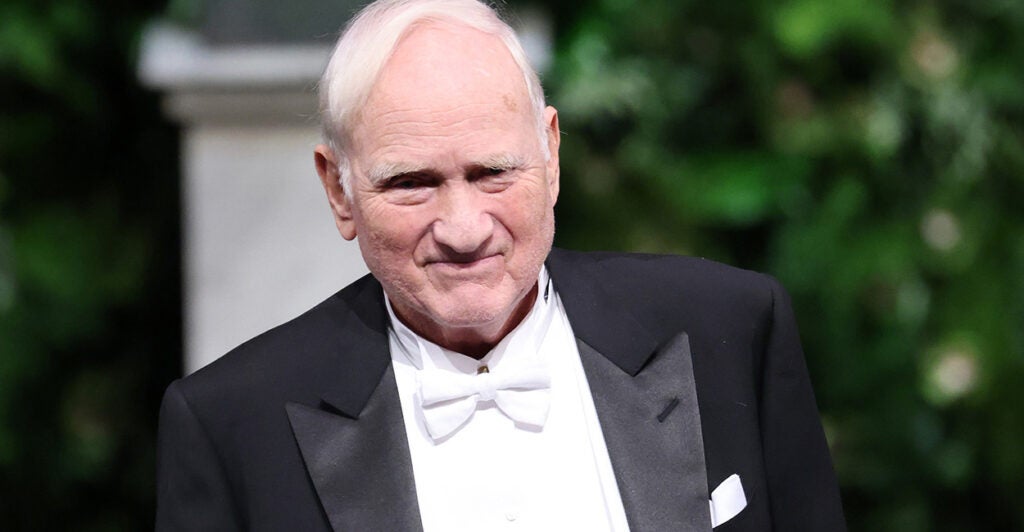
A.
pixel 493 171
pixel 406 182
pixel 488 172
pixel 403 184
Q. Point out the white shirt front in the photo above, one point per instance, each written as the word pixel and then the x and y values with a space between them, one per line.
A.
pixel 491 474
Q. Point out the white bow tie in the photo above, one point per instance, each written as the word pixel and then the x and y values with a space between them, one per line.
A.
pixel 448 399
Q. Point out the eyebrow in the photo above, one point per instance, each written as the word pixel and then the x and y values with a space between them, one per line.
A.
pixel 504 161
pixel 383 172
pixel 388 170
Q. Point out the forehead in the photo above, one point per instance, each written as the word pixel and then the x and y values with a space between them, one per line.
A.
pixel 443 60
pixel 444 74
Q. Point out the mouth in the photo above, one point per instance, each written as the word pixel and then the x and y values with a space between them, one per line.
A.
pixel 456 265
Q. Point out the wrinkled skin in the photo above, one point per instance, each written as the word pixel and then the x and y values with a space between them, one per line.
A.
pixel 452 198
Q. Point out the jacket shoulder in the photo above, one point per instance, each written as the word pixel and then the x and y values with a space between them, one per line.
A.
pixel 280 361
pixel 669 279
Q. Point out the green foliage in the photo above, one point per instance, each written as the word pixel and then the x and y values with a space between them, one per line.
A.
pixel 89 326
pixel 870 155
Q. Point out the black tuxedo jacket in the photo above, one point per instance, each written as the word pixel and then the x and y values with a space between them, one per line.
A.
pixel 696 371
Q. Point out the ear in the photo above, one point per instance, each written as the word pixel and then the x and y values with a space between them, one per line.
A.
pixel 327 168
pixel 554 140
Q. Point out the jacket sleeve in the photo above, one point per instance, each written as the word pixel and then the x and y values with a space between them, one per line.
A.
pixel 802 485
pixel 192 489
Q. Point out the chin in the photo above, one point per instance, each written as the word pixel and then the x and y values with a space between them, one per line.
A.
pixel 466 316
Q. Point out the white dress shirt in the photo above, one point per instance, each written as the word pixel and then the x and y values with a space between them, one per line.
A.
pixel 492 474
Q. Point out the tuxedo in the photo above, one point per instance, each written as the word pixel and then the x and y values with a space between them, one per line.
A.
pixel 695 369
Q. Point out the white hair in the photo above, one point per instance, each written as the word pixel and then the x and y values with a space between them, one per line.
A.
pixel 369 40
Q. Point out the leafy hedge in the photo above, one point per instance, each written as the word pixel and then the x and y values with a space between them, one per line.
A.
pixel 89 283
pixel 871 156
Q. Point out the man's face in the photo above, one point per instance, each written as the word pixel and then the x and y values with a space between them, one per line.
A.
pixel 451 198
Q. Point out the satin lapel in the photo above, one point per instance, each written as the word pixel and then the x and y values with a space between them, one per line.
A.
pixel 361 468
pixel 651 425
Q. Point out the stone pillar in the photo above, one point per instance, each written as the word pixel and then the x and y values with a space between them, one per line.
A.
pixel 260 246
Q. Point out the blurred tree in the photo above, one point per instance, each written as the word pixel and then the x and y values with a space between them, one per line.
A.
pixel 89 275
pixel 870 155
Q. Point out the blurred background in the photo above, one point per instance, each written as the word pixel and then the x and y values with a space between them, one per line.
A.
pixel 869 154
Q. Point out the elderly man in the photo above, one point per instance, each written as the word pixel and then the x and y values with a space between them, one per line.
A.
pixel 480 380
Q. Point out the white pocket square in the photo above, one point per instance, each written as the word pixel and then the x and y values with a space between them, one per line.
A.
pixel 727 500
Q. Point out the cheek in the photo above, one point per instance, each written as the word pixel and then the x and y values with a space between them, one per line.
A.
pixel 531 222
pixel 534 208
pixel 385 232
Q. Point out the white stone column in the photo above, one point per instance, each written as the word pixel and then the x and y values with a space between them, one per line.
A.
pixel 260 246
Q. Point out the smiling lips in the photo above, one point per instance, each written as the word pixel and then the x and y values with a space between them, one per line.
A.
pixel 458 267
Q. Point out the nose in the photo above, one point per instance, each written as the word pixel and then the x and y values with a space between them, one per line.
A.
pixel 463 225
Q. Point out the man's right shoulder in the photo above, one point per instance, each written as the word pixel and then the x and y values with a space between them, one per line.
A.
pixel 282 357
